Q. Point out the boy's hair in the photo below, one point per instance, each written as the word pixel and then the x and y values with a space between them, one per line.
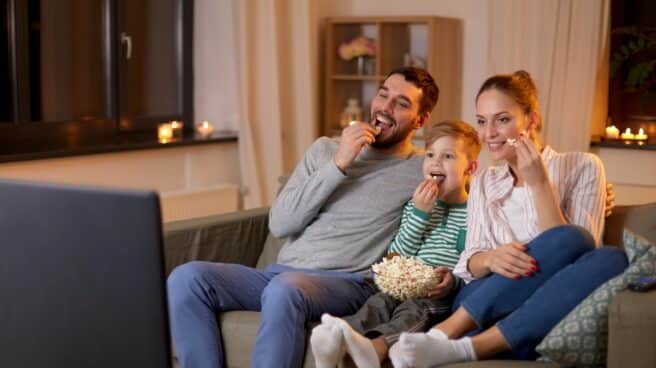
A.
pixel 456 129
pixel 422 80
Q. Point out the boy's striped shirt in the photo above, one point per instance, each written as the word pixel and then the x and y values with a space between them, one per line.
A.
pixel 436 238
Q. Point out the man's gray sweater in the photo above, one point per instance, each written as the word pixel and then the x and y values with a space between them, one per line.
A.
pixel 342 222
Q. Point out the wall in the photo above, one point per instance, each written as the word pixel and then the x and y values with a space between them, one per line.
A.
pixel 632 172
pixel 192 181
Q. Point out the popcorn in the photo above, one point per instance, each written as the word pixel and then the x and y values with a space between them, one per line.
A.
pixel 511 141
pixel 404 277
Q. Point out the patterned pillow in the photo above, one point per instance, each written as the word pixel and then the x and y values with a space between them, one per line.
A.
pixel 581 338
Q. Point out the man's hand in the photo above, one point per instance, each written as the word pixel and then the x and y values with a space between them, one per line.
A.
pixel 610 199
pixel 354 137
pixel 425 195
pixel 510 260
pixel 444 287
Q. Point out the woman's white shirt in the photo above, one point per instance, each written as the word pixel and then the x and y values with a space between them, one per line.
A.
pixel 578 180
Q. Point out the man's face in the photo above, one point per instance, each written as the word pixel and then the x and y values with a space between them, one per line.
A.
pixel 395 110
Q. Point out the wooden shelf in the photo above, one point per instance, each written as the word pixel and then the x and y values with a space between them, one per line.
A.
pixel 433 41
pixel 358 77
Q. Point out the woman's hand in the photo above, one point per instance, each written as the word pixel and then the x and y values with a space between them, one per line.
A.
pixel 425 195
pixel 529 162
pixel 444 287
pixel 510 260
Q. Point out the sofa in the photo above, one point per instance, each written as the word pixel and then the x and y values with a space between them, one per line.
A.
pixel 243 237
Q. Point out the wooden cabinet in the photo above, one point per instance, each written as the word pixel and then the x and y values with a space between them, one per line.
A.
pixel 432 42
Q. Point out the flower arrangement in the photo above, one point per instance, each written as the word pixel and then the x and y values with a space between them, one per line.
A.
pixel 360 46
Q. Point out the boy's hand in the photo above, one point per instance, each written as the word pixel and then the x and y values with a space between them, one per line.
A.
pixel 354 137
pixel 442 288
pixel 425 195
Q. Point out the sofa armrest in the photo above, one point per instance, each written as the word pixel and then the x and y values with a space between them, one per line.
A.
pixel 632 330
pixel 236 237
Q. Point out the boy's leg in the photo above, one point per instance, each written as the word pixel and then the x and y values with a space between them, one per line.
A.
pixel 377 310
pixel 197 291
pixel 291 300
pixel 528 325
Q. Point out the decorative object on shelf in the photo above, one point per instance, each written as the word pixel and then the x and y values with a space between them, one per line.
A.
pixel 362 49
pixel 641 136
pixel 204 129
pixel 176 128
pixel 352 112
pixel 164 133
pixel 413 60
pixel 627 135
pixel 612 132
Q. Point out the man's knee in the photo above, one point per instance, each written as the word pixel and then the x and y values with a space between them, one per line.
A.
pixel 285 290
pixel 185 278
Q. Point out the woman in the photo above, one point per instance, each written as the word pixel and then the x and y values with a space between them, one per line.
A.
pixel 534 230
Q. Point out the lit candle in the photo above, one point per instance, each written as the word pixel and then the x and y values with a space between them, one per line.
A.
pixel 164 132
pixel 612 132
pixel 176 128
pixel 205 129
pixel 641 136
pixel 627 135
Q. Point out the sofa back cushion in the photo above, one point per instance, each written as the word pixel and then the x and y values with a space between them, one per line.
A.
pixel 641 219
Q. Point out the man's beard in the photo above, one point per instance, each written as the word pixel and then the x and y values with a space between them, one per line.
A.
pixel 394 138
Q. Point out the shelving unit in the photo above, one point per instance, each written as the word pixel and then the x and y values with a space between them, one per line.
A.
pixel 436 41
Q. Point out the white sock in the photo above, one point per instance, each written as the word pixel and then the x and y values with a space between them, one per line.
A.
pixel 436 333
pixel 423 350
pixel 359 347
pixel 328 347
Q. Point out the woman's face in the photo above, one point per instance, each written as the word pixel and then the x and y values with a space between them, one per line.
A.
pixel 499 118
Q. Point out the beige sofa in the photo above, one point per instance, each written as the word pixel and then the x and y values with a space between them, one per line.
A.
pixel 243 237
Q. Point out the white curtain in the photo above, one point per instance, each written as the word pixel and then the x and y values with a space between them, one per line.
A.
pixel 277 53
pixel 564 45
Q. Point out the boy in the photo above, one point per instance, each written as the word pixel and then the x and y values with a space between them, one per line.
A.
pixel 433 229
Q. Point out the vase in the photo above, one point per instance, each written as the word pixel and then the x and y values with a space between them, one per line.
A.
pixel 365 65
pixel 360 65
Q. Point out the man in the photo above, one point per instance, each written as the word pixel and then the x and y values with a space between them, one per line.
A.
pixel 339 211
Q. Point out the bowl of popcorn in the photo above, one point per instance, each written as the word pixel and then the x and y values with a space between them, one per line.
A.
pixel 404 277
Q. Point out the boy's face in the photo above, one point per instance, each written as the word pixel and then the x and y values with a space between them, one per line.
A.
pixel 446 161
pixel 395 110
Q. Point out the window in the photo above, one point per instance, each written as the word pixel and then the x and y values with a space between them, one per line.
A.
pixel 92 72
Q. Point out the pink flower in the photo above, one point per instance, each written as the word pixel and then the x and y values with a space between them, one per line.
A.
pixel 360 46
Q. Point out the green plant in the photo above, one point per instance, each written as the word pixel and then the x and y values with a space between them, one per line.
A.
pixel 636 59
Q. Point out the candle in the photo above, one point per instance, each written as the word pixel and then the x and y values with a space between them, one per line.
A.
pixel 641 136
pixel 164 132
pixel 627 135
pixel 612 132
pixel 204 129
pixel 176 128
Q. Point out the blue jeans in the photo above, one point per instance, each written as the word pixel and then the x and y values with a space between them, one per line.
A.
pixel 286 297
pixel 525 310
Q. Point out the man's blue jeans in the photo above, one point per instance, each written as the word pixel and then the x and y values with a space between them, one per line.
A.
pixel 286 297
pixel 525 310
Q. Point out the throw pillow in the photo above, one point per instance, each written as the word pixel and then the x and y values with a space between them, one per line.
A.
pixel 581 338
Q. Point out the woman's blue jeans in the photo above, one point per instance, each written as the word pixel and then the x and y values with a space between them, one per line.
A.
pixel 525 310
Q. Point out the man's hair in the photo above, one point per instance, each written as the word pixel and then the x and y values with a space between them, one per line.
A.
pixel 423 80
pixel 456 129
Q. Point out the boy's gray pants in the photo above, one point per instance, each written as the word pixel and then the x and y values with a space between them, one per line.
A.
pixel 383 315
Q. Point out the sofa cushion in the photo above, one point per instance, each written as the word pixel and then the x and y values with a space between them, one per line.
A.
pixel 580 339
pixel 640 219
pixel 238 330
